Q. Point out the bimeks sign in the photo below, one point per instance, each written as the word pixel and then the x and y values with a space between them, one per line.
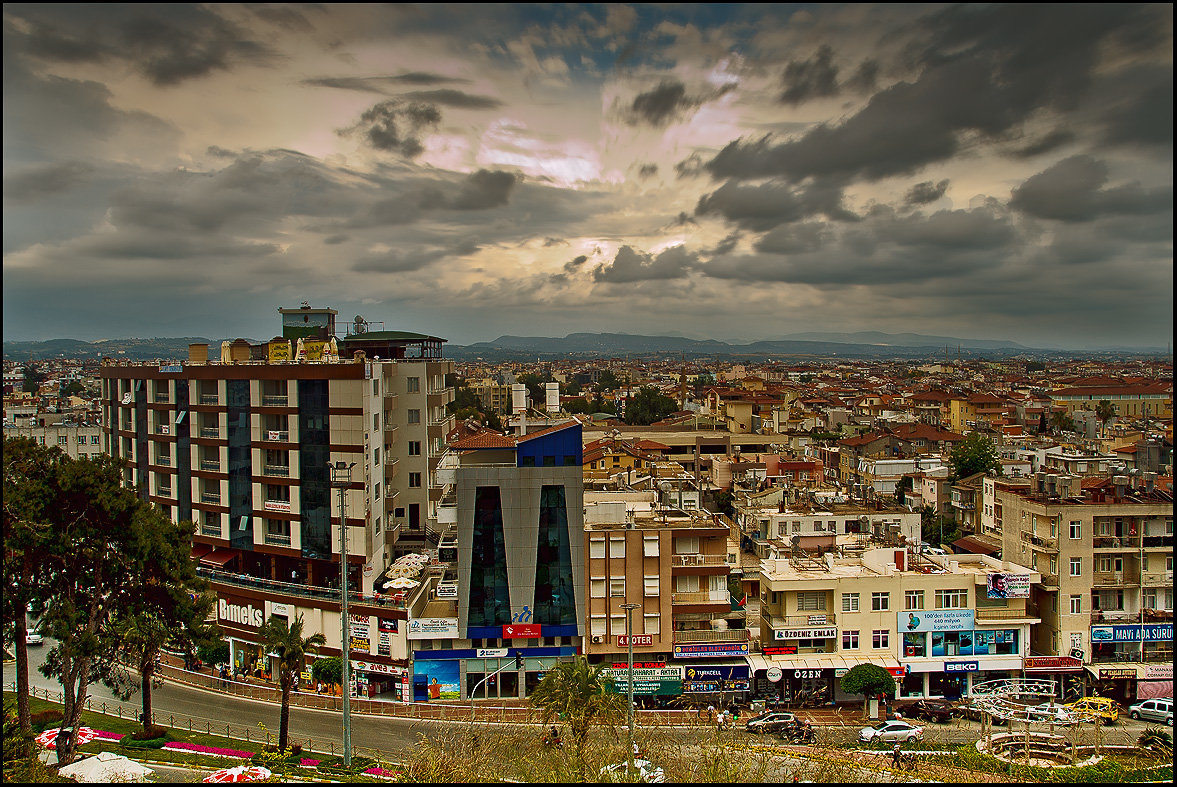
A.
pixel 247 615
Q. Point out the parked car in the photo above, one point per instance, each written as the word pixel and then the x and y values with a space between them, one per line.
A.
pixel 971 710
pixel 1159 709
pixel 891 731
pixel 34 639
pixel 930 710
pixel 772 721
pixel 1050 712
pixel 1104 708
pixel 646 771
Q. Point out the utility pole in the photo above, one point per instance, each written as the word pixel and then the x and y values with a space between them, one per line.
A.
pixel 341 479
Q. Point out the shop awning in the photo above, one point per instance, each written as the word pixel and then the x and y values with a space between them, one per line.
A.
pixel 977 545
pixel 1116 671
pixel 200 550
pixel 218 557
pixel 757 662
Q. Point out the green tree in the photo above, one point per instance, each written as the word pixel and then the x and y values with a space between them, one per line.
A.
pixel 936 529
pixel 214 652
pixel 648 406
pixel 33 377
pixel 21 765
pixel 288 643
pixel 1061 421
pixel 869 680
pixel 607 381
pixel 1105 411
pixel 28 495
pixel 975 454
pixel 328 671
pixel 582 696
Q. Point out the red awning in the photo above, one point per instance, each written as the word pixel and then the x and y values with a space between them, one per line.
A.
pixel 200 550
pixel 218 557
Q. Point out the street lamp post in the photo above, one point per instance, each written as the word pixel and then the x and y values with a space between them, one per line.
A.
pixel 629 608
pixel 341 479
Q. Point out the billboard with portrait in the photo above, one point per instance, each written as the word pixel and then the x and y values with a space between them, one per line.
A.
pixel 1007 585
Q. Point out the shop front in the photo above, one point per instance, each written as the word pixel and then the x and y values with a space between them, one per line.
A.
pixel 949 649
pixel 1065 671
pixel 1122 656
pixel 715 673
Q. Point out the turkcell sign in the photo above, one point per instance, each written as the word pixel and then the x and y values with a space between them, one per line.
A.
pixel 1153 632
pixel 962 666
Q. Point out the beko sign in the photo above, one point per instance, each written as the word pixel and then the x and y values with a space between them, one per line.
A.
pixel 248 615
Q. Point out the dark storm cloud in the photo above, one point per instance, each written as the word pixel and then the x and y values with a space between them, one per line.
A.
pixel 667 102
pixel 395 127
pixel 683 219
pixel 454 98
pixel 764 206
pixel 813 78
pixel 485 189
pixel 38 182
pixel 648 170
pixel 1045 144
pixel 986 70
pixel 923 193
pixel 166 44
pixel 793 239
pixel 575 264
pixel 630 266
pixel 1146 117
pixel 382 84
pixel 1072 190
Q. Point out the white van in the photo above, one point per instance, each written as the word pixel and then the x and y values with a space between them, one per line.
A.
pixel 1159 709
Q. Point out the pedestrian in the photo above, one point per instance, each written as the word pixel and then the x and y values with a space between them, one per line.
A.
pixel 895 756
pixel 710 712
pixel 319 688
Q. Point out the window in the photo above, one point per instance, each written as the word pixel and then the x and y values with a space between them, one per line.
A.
pixel 651 586
pixel 1076 566
pixel 597 547
pixel 617 547
pixel 617 624
pixel 93 439
pixel 880 602
pixel 81 439
pixel 1076 605
pixel 413 384
pixel 597 626
pixel 650 546
pixel 376 491
pixel 617 588
pixel 814 600
pixel 952 599
pixel 913 599
pixel 414 480
pixel 376 456
pixel 413 416
pixel 652 622
pixel 1076 529
pixel 849 602
pixel 62 439
pixel 414 448
pixel 915 644
pixel 880 639
pixel 597 588
pixel 849 640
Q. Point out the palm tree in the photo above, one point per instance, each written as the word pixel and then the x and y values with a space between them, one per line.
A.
pixel 1105 411
pixel 288 643
pixel 577 692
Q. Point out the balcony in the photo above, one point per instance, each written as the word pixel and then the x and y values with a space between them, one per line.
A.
pixel 1003 614
pixel 1041 542
pixel 1165 541
pixel 700 597
pixel 212 531
pixel 278 539
pixel 1115 542
pixel 1114 616
pixel 163 461
pixel 281 471
pixel 210 399
pixel 1115 578
pixel 1157 578
pixel 162 398
pixel 1134 656
pixel 275 436
pixel 210 431
pixel 710 635
pixel 211 465
pixel 802 621
pixel 683 561
pixel 275 401
pixel 298 591
pixel 1049 580
pixel 164 491
pixel 213 498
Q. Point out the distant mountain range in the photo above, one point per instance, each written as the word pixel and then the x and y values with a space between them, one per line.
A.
pixel 866 344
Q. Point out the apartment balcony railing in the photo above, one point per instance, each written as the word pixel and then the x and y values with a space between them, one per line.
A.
pixel 1003 614
pixel 1114 616
pixel 1103 578
pixel 1115 542
pixel 1157 578
pixel 1165 541
pixel 710 635
pixel 281 471
pixel 210 399
pixel 162 398
pixel 164 491
pixel 212 465
pixel 682 561
pixel 275 436
pixel 1049 580
pixel 1040 541
pixel 699 597
pixel 212 531
pixel 275 401
pixel 213 498
pixel 802 621
pixel 1134 656
pixel 163 461
pixel 210 431
pixel 299 591
pixel 278 539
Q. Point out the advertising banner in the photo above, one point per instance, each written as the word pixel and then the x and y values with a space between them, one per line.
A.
pixel 1153 632
pixel 433 628
pixel 718 650
pixel 388 627
pixel 441 678
pixel 1007 585
pixel 826 632
pixel 1052 664
pixel 717 672
pixel 522 631
pixel 661 681
pixel 936 620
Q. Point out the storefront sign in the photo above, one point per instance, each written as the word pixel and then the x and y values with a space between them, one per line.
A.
pixel 1117 673
pixel 279 609
pixel 962 666
pixel 242 615
pixel 806 673
pixel 1052 664
pixel 936 620
pixel 378 669
pixel 828 632
pixel 779 650
pixel 774 674
pixel 1158 672
pixel 171 369
pixel 1153 632
pixel 661 681
pixel 447 590
pixel 817 620
pixel 899 672
pixel 433 628
pixel 277 505
pixel 522 631
pixel 1007 586
pixel 639 665
pixel 714 651
pixel 638 640
pixel 717 672
pixel 492 653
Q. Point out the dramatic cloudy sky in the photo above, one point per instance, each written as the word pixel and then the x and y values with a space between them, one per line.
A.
pixel 726 171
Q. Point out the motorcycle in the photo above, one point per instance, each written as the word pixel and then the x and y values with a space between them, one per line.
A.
pixel 799 734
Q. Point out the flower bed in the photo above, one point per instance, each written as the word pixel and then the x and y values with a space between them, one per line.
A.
pixel 308 763
pixel 108 736
pixel 383 773
pixel 211 751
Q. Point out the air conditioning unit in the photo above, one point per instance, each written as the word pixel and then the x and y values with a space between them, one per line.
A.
pixel 598 639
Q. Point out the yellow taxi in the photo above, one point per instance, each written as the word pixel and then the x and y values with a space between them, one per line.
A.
pixel 1103 708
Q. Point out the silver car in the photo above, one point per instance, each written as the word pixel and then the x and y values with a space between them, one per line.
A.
pixel 1159 709
pixel 891 731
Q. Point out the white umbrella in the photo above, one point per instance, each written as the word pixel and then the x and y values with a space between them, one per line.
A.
pixel 242 773
pixel 106 768
pixel 401 582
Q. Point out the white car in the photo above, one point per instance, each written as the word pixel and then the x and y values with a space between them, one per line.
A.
pixel 34 639
pixel 1159 709
pixel 891 731
pixel 1047 712
pixel 646 772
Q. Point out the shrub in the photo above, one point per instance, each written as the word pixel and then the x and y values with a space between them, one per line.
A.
pixel 151 733
pixel 45 719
